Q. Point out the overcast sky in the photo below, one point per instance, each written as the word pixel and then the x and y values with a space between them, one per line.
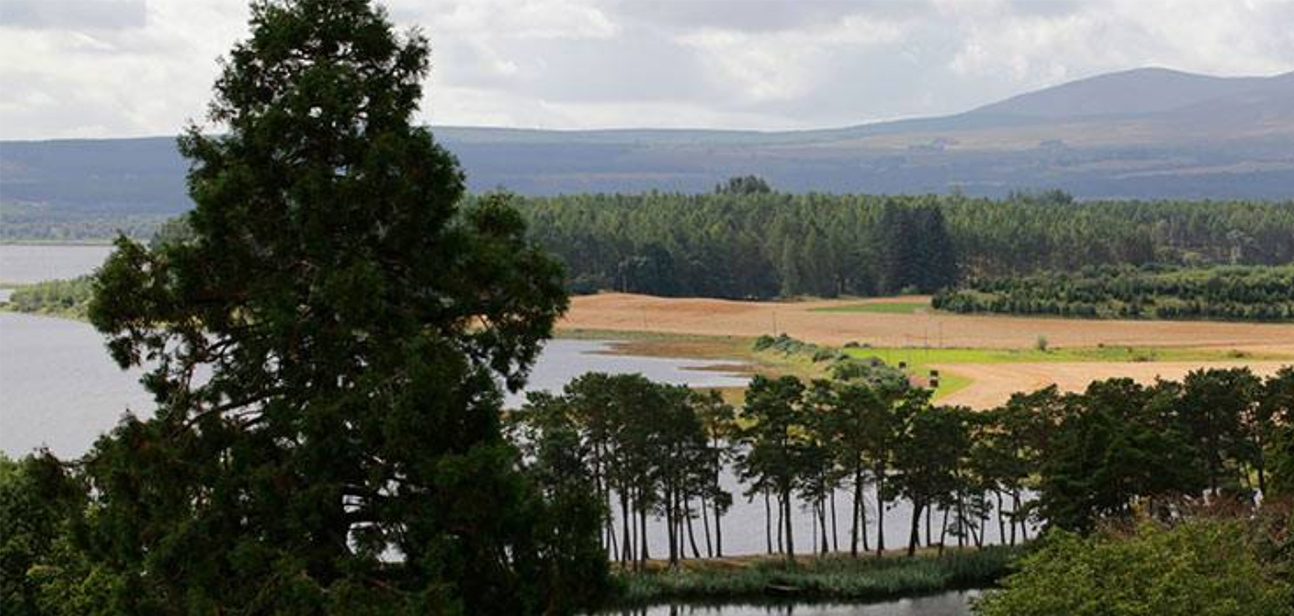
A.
pixel 113 68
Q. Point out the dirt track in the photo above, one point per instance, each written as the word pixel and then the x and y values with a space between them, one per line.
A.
pixel 993 382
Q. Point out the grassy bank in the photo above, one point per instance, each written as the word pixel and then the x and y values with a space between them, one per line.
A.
pixel 878 308
pixel 67 299
pixel 831 577
pixel 746 359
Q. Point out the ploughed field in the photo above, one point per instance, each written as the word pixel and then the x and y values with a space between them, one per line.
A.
pixel 987 357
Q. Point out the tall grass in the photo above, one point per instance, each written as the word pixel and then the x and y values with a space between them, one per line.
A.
pixel 832 577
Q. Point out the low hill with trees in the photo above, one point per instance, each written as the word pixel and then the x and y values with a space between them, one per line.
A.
pixel 1235 293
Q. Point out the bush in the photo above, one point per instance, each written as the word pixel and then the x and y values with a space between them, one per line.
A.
pixel 1202 566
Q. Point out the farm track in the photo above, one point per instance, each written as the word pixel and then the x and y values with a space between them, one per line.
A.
pixel 992 382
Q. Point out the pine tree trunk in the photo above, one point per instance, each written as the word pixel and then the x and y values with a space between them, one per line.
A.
pixel 943 533
pixel 822 520
pixel 1001 528
pixel 626 525
pixel 857 510
pixel 691 534
pixel 705 526
pixel 862 516
pixel 643 553
pixel 835 535
pixel 915 536
pixel 671 529
pixel 880 515
pixel 929 539
pixel 983 525
pixel 1015 513
pixel 790 533
pixel 718 533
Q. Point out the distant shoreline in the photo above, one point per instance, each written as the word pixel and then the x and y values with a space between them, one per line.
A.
pixel 40 242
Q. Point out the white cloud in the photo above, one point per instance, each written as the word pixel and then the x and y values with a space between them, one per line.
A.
pixel 143 67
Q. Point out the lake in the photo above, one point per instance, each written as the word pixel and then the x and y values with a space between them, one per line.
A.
pixel 59 389
pixel 955 603
pixel 24 264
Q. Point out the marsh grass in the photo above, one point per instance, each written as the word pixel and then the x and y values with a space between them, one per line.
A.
pixel 830 577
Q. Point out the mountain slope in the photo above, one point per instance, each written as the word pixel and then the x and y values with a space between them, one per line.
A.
pixel 1137 91
pixel 1149 133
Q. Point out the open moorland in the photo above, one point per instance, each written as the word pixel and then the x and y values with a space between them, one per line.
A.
pixel 984 358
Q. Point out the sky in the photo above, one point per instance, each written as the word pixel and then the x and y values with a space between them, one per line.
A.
pixel 124 68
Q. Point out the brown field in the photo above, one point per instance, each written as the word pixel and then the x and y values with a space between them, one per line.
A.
pixel 992 382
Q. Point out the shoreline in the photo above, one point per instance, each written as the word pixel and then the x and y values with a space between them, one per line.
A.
pixel 830 577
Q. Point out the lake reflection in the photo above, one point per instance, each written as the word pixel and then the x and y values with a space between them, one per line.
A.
pixel 945 604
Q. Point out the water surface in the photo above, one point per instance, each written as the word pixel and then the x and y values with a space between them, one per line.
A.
pixel 955 603
pixel 60 389
pixel 25 264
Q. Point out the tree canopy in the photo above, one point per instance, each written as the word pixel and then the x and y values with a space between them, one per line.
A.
pixel 326 348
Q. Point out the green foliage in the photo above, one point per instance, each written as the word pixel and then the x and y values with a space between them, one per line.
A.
pixel 648 448
pixel 1238 293
pixel 64 298
pixel 1120 444
pixel 743 185
pixel 765 245
pixel 743 244
pixel 43 573
pixel 352 320
pixel 1272 425
pixel 1116 443
pixel 1200 566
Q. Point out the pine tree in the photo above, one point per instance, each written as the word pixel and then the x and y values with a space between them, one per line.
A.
pixel 324 350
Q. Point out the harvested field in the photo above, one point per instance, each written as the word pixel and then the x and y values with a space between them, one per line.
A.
pixel 624 312
pixel 992 381
pixel 993 384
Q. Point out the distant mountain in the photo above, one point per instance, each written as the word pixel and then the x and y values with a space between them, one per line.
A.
pixel 1138 91
pixel 1145 133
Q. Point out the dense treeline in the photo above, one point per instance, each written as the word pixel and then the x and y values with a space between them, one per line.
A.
pixel 739 243
pixel 29 223
pixel 657 450
pixel 1073 462
pixel 1248 293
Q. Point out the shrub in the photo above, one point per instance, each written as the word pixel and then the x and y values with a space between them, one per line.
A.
pixel 1202 566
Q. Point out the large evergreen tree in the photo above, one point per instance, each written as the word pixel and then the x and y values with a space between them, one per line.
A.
pixel 325 351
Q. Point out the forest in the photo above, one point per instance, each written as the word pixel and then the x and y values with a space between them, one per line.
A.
pixel 611 448
pixel 658 450
pixel 746 241
pixel 328 340
pixel 32 223
pixel 1234 293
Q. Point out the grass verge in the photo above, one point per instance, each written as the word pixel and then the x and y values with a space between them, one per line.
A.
pixel 878 308
pixel 919 357
pixel 829 577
